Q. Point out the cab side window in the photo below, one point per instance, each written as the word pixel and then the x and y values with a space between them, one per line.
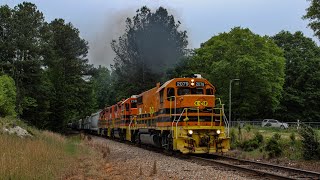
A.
pixel 170 93
pixel 209 91
pixel 161 96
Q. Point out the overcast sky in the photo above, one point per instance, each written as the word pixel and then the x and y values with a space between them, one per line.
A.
pixel 100 21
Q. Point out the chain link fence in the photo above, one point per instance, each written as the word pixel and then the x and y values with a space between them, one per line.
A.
pixel 315 125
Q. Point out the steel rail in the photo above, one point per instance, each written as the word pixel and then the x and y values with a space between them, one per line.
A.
pixel 313 173
pixel 243 163
pixel 213 162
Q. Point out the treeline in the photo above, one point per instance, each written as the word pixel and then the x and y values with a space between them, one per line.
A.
pixel 279 75
pixel 51 83
pixel 47 61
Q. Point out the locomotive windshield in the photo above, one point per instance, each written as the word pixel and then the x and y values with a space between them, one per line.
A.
pixel 133 105
pixel 186 90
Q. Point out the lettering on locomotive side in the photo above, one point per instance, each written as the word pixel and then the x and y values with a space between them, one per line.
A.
pixel 199 103
pixel 151 110
pixel 199 83
pixel 182 83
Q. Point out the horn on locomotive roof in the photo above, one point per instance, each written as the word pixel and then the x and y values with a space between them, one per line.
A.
pixel 195 76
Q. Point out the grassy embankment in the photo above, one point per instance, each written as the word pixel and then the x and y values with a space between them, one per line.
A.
pixel 289 142
pixel 46 155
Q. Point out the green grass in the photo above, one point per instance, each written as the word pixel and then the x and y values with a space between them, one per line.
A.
pixel 291 149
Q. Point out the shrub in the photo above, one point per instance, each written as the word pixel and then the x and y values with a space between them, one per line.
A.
pixel 293 138
pixel 252 144
pixel 248 128
pixel 233 138
pixel 273 146
pixel 277 136
pixel 239 133
pixel 310 143
pixel 258 137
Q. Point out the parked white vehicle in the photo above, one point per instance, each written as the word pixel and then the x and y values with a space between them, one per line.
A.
pixel 274 123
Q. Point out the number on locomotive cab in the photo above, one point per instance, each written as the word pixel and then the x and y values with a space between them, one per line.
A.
pixel 199 83
pixel 182 83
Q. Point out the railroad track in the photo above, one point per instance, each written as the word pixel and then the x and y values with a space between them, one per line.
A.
pixel 257 169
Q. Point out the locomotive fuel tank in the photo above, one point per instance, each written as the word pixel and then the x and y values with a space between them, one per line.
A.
pixel 150 139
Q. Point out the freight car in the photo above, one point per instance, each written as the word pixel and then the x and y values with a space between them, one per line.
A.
pixel 182 114
pixel 90 123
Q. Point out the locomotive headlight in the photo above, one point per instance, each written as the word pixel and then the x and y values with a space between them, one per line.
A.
pixel 190 132
pixel 192 80
pixel 192 83
pixel 218 131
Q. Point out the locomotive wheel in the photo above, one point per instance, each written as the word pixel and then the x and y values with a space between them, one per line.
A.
pixel 122 135
pixel 137 140
pixel 167 142
pixel 133 137
pixel 112 134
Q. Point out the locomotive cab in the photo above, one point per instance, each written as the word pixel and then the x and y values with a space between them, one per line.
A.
pixel 197 125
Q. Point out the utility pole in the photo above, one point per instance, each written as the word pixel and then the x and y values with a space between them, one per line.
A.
pixel 230 87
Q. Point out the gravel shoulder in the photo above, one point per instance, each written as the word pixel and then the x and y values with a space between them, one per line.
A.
pixel 121 161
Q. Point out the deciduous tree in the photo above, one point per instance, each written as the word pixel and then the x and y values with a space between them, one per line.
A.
pixel 313 14
pixel 257 61
pixel 301 95
pixel 7 96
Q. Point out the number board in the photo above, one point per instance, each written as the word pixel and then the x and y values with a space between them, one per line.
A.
pixel 182 83
pixel 199 83
pixel 134 101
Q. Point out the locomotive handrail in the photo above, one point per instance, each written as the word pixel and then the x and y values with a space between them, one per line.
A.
pixel 130 123
pixel 176 137
pixel 226 122
pixel 175 105
pixel 175 110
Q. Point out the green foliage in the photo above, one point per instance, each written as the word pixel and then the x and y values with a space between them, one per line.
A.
pixel 313 14
pixel 239 133
pixel 248 127
pixel 102 87
pixel 293 138
pixel 257 61
pixel 7 96
pixel 233 138
pixel 21 58
pixel 310 143
pixel 301 91
pixel 71 96
pixel 258 137
pixel 253 143
pixel 47 62
pixel 150 45
pixel 277 136
pixel 273 146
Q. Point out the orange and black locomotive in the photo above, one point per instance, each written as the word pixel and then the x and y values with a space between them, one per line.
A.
pixel 182 114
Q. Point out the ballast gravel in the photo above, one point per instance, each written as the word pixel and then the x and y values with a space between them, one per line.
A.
pixel 124 161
